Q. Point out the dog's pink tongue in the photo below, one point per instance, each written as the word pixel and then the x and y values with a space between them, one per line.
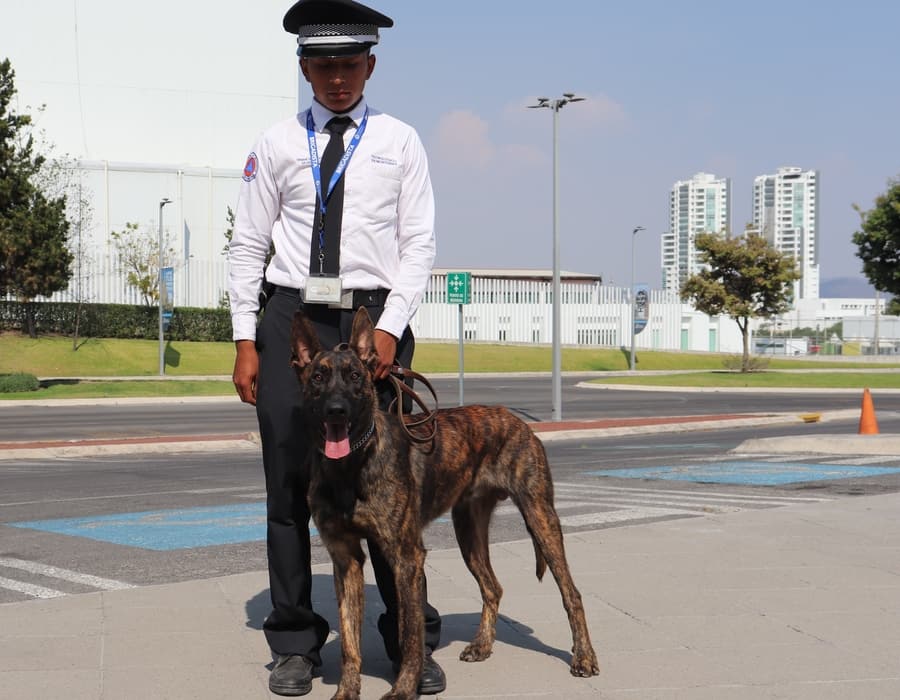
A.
pixel 337 443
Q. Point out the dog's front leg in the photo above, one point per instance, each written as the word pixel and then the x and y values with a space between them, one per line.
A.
pixel 408 564
pixel 349 585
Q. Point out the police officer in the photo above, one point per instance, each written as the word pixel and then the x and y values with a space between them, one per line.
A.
pixel 358 233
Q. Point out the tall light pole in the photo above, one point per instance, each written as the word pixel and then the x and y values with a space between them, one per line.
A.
pixel 631 293
pixel 877 304
pixel 556 105
pixel 162 351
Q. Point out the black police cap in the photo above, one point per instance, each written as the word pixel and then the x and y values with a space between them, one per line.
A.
pixel 334 27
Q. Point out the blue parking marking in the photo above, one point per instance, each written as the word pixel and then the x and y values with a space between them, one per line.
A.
pixel 749 473
pixel 164 530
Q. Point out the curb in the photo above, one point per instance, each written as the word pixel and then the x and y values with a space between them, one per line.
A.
pixel 546 431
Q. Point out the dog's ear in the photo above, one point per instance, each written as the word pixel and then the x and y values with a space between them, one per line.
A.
pixel 362 338
pixel 304 341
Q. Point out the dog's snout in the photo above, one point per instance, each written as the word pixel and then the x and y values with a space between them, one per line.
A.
pixel 336 409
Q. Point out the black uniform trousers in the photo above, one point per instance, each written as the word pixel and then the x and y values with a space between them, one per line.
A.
pixel 292 627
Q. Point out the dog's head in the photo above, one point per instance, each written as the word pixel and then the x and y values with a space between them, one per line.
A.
pixel 337 386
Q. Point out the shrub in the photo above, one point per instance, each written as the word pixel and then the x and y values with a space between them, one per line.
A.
pixel 17 382
pixel 118 321
pixel 757 363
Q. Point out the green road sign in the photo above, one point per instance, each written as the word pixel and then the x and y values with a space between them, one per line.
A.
pixel 459 287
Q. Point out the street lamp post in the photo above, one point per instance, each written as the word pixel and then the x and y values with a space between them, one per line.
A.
pixel 556 105
pixel 631 293
pixel 162 351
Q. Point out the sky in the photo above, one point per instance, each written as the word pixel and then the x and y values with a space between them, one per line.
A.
pixel 737 89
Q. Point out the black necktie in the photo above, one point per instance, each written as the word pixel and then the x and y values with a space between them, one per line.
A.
pixel 330 254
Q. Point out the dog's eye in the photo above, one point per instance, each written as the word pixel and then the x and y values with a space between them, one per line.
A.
pixel 318 377
pixel 355 376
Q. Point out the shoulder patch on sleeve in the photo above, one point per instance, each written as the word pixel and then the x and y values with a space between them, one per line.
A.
pixel 251 167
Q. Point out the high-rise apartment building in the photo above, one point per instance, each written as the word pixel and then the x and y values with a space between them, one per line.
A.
pixel 699 205
pixel 785 211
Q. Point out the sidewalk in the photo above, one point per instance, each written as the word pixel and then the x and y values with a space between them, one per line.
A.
pixel 798 602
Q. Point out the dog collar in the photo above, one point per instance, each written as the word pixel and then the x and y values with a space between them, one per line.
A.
pixel 364 439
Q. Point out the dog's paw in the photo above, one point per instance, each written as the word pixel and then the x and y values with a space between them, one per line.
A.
pixel 585 665
pixel 475 652
pixel 345 695
pixel 396 695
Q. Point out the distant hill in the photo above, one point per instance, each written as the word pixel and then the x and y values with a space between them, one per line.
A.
pixel 846 287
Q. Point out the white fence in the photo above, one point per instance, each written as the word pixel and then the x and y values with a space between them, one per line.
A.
pixel 98 278
pixel 501 310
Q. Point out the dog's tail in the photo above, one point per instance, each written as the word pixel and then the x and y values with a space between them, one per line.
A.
pixel 540 563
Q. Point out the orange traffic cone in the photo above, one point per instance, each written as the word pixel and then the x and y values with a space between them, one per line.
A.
pixel 867 423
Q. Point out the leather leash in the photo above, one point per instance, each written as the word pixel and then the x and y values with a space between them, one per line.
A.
pixel 397 375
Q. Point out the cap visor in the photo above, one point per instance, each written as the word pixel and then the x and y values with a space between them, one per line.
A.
pixel 332 51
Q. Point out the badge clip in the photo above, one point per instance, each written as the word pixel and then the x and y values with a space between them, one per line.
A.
pixel 323 289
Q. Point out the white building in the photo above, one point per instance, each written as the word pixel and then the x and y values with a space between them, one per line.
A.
pixel 515 306
pixel 785 211
pixel 699 205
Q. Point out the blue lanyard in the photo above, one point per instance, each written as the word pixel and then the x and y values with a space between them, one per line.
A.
pixel 338 171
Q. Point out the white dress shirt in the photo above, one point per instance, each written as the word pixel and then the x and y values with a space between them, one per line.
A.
pixel 387 231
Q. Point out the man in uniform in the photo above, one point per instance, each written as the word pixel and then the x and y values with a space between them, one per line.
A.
pixel 356 233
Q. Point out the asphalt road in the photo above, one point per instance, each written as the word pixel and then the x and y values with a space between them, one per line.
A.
pixel 164 502
pixel 530 397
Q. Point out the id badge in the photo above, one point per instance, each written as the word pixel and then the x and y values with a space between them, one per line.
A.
pixel 323 289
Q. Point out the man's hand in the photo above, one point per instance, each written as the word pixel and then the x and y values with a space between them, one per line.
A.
pixel 246 370
pixel 386 346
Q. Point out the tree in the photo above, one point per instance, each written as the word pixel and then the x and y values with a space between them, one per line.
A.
pixel 139 261
pixel 229 234
pixel 62 176
pixel 878 243
pixel 34 256
pixel 746 278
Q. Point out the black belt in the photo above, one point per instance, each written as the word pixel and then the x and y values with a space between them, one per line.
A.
pixel 351 299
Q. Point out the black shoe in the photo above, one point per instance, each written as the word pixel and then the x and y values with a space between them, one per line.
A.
pixel 291 675
pixel 432 681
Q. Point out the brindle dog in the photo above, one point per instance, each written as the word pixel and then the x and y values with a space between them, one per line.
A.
pixel 369 480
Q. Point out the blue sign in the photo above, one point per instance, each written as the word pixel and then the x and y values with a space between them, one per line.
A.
pixel 641 307
pixel 167 295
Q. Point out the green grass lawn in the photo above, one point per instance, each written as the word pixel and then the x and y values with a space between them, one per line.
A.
pixel 770 380
pixel 94 357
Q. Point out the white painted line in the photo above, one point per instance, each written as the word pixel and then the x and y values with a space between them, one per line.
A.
pixel 29 589
pixel 619 516
pixel 862 460
pixel 686 506
pixel 664 498
pixel 224 489
pixel 562 504
pixel 712 494
pixel 64 574
pixel 114 496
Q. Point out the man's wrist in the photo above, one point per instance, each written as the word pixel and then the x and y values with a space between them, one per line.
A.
pixel 388 333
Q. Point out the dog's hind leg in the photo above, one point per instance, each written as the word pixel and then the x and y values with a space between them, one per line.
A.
pixel 534 497
pixel 471 520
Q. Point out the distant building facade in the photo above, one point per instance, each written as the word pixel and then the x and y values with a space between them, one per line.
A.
pixel 785 211
pixel 699 205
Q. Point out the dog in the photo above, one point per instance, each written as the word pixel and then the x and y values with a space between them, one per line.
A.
pixel 369 479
